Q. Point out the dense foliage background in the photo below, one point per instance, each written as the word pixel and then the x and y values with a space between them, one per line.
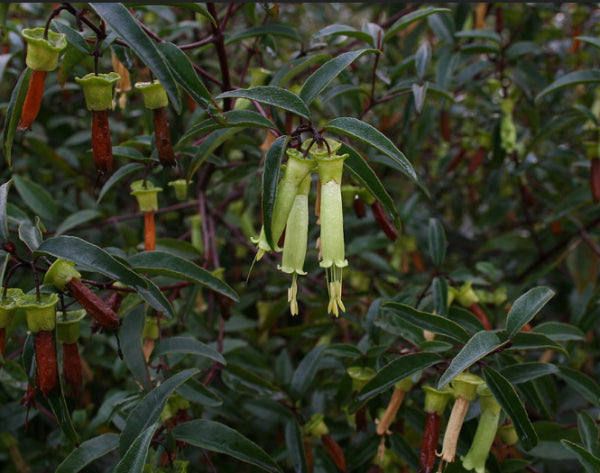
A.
pixel 485 259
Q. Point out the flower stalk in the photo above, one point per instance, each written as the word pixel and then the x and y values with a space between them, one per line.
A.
pixel 147 197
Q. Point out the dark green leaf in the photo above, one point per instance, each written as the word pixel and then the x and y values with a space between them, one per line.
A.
pixel 117 176
pixel 525 308
pixel 13 114
pixel 367 134
pixel 479 34
pixel 134 459
pixel 130 333
pixel 233 118
pixel 323 76
pixel 534 341
pixel 76 219
pixel 582 383
pixel 480 345
pixel 31 234
pixel 58 406
pixel 149 409
pixel 506 395
pixel 189 346
pixel 272 29
pixel 87 452
pixel 439 290
pixel 274 96
pixel 590 462
pixel 216 437
pixel 393 372
pixel 406 20
pixel 343 350
pixel 590 76
pixel 305 372
pixel 344 30
pixel 74 38
pixel 590 40
pixel 422 58
pixel 588 430
pixel 192 6
pixel 522 372
pixel 4 236
pixel 165 264
pixel 559 331
pixel 118 18
pixel 270 180
pixel 195 392
pixel 294 442
pixel 437 242
pixel 208 145
pixel 431 322
pixel 295 67
pixel 36 198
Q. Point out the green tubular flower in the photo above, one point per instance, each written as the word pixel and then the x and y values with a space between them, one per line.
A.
pixel 330 167
pixel 296 170
pixel 98 90
pixel 42 53
pixel 296 238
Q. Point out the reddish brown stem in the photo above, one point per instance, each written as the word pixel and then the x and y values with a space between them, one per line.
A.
pixel 431 436
pixel 163 138
pixel 94 306
pixel 33 100
pixel 481 316
pixel 595 179
pixel 101 145
pixel 47 366
pixel 149 232
pixel 383 221
pixel 71 365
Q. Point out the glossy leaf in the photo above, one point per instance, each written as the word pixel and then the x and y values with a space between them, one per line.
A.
pixel 76 219
pixel 590 462
pixel 130 333
pixel 283 31
pixel 134 458
pixel 4 188
pixel 295 67
pixel 87 452
pixel 588 430
pixel 294 442
pixel 187 345
pixel 393 372
pixel 74 38
pixel 559 331
pixel 582 384
pixel 196 392
pixel 13 114
pixel 589 76
pixel 523 372
pixel 323 76
pixel 437 242
pixel 590 40
pixel 406 20
pixel 270 179
pixel 148 410
pixel 191 6
pixel 118 18
pixel 343 30
pixel 216 437
pixel 534 341
pixel 31 234
pixel 364 132
pixel 58 406
pixel 165 264
pixel 36 198
pixel 210 143
pixel 506 395
pixel 306 371
pixel 480 345
pixel 439 290
pixel 431 322
pixel 525 308
pixel 233 118
pixel 270 95
pixel 422 59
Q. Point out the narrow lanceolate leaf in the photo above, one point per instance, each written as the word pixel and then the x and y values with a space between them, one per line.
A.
pixel 270 95
pixel 3 216
pixel 134 459
pixel 58 406
pixel 590 40
pixel 36 198
pixel 294 67
pixel 364 132
pixel 406 20
pixel 87 452
pixel 187 345
pixel 343 30
pixel 149 409
pixel 216 437
pixel 13 114
pixel 590 462
pixel 77 219
pixel 480 345
pixel 523 372
pixel 184 73
pixel 588 76
pixel 294 442
pixel 210 143
pixel 74 38
pixel 431 322
pixel 264 30
pixel 323 76
pixel 525 308
pixel 117 176
pixel 118 18
pixel 305 372
pixel 437 242
pixel 588 430
pixel 166 264
pixel 506 395
pixel 270 178
pixel 363 173
pixel 130 335
pixel 191 6
pixel 582 383
pixel 393 372
pixel 233 118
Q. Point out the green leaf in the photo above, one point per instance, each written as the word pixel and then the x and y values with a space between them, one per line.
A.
pixel 559 331
pixel 13 114
pixel 590 462
pixel 183 71
pixel 233 118
pixel 437 242
pixel 130 333
pixel 291 69
pixel 588 76
pixel 195 392
pixel 117 176
pixel 87 452
pixel 525 308
pixel 323 76
pixel 217 437
pixel 31 234
pixel 166 264
pixel 506 395
pixel 118 18
pixel 590 40
pixel 439 290
pixel 187 345
pixel 36 198
pixel 294 442
pixel 393 372
pixel 431 322
pixel 364 132
pixel 74 38
pixel 582 383
pixel 588 430
pixel 134 459
pixel 479 34
pixel 94 258
pixel 480 345
pixel 363 173
pixel 191 6
pixel 305 372
pixel 210 143
pixel 523 372
pixel 257 31
pixel 147 412
pixel 58 406
pixel 406 20
pixel 534 341
pixel 343 30
pixel 270 95
pixel 4 235
pixel 76 219
pixel 270 179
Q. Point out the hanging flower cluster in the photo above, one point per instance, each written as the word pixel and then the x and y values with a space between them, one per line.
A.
pixel 290 213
